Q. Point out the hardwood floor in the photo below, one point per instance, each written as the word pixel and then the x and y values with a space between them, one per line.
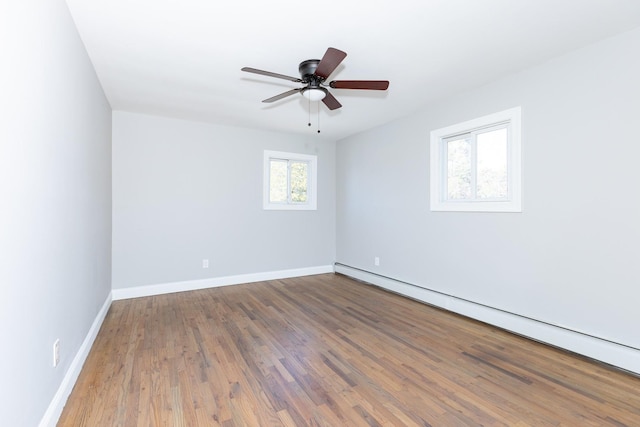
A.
pixel 328 351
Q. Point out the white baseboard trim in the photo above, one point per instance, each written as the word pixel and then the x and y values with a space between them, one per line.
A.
pixel 52 415
pixel 192 285
pixel 618 355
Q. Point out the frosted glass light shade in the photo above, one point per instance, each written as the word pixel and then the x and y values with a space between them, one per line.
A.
pixel 314 94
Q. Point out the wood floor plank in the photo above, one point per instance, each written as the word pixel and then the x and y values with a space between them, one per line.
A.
pixel 329 351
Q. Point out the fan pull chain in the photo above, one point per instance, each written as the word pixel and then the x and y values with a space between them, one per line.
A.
pixel 309 123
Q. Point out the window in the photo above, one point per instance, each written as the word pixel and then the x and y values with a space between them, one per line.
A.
pixel 475 165
pixel 289 181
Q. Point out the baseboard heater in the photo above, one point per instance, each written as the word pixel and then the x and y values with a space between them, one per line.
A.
pixel 619 355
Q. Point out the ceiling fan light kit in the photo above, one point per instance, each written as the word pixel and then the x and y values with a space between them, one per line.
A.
pixel 314 73
pixel 314 93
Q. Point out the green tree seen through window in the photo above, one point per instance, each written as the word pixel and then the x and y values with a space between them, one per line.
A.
pixel 299 177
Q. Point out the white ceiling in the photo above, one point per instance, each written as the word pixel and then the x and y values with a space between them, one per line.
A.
pixel 182 58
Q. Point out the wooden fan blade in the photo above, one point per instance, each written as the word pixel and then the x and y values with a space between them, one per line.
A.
pixel 282 95
pixel 329 62
pixel 270 74
pixel 331 102
pixel 360 84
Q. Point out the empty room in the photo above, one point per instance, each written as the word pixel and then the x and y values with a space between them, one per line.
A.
pixel 419 213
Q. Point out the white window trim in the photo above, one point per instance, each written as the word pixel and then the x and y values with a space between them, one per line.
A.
pixel 312 199
pixel 438 169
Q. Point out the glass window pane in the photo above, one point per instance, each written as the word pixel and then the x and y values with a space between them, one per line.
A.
pixel 299 178
pixel 492 164
pixel 459 169
pixel 277 181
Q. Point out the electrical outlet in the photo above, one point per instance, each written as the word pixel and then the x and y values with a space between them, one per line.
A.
pixel 56 353
pixel 205 263
pixel 376 261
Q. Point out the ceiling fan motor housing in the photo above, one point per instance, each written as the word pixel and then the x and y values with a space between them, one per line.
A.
pixel 307 72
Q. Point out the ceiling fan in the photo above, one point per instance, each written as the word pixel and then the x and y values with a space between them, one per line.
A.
pixel 314 73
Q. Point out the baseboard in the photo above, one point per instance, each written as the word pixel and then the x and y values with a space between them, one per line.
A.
pixel 618 355
pixel 51 416
pixel 192 285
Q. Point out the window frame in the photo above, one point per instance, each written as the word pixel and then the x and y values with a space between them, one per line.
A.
pixel 439 166
pixel 312 162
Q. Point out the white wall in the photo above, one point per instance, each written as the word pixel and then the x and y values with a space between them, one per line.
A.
pixel 571 257
pixel 187 191
pixel 55 195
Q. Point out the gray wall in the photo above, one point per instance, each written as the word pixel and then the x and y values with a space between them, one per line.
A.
pixel 187 191
pixel 571 257
pixel 55 190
